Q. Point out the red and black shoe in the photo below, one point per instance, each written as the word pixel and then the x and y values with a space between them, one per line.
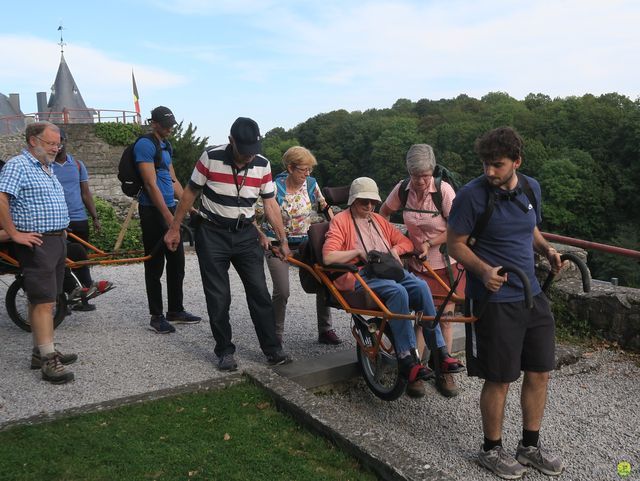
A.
pixel 412 370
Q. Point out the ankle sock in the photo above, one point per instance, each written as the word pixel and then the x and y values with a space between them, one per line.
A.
pixel 530 438
pixel 489 444
pixel 46 349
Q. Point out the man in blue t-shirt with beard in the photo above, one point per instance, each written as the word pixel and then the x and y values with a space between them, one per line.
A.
pixel 508 337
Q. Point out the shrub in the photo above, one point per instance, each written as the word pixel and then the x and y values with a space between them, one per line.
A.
pixel 118 134
pixel 111 225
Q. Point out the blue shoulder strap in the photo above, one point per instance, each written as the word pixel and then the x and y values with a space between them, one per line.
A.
pixel 311 188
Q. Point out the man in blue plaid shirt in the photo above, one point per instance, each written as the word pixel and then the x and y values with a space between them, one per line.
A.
pixel 33 212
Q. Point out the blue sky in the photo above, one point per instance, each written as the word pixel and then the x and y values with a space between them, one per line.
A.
pixel 281 62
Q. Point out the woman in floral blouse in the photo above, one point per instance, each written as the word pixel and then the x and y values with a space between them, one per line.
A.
pixel 298 195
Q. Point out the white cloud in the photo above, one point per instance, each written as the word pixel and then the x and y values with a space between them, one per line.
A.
pixel 31 64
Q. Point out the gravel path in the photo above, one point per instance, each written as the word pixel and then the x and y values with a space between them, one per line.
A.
pixel 592 418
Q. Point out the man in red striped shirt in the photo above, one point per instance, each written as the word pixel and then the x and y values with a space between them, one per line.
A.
pixel 230 178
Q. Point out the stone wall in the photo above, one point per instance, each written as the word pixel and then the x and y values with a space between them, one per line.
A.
pixel 100 158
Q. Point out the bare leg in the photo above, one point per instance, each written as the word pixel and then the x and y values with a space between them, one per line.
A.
pixel 492 402
pixel 41 318
pixel 447 333
pixel 533 399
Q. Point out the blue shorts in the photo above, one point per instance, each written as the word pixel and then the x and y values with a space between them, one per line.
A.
pixel 509 338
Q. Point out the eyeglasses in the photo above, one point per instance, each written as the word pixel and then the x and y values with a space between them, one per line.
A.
pixel 49 143
pixel 422 176
pixel 306 170
pixel 367 201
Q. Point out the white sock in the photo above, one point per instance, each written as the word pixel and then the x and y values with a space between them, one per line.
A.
pixel 46 349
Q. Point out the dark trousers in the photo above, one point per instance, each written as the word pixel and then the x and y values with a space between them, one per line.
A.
pixel 217 248
pixel 76 252
pixel 153 229
pixel 80 228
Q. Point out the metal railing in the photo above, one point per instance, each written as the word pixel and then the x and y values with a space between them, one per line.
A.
pixel 72 116
pixel 560 239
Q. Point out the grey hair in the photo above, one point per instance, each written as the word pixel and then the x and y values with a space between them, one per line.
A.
pixel 36 128
pixel 420 159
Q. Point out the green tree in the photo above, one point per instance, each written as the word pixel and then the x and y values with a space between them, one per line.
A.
pixel 187 149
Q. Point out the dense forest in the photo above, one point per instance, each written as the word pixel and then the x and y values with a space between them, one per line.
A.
pixel 583 150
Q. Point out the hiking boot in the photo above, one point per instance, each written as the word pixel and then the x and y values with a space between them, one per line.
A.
pixel 161 325
pixel 539 458
pixel 278 358
pixel 36 362
pixel 227 362
pixel 446 384
pixel 416 389
pixel 500 463
pixel 449 364
pixel 183 317
pixel 53 371
pixel 329 337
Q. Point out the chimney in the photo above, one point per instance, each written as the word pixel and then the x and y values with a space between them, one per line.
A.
pixel 42 101
pixel 14 100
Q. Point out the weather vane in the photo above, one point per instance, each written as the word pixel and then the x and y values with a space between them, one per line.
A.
pixel 61 43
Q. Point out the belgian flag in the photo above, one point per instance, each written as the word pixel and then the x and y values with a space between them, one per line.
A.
pixel 136 97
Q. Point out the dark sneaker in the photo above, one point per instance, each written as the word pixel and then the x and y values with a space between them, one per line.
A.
pixel 416 389
pixel 83 306
pixel 446 384
pixel 183 317
pixel 65 359
pixel 279 358
pixel 227 363
pixel 161 325
pixel 53 371
pixel 329 337
pixel 501 464
pixel 539 458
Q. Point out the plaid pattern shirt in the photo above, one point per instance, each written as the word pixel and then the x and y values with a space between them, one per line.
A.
pixel 36 198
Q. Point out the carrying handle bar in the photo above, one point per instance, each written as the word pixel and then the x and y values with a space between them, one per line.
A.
pixel 584 272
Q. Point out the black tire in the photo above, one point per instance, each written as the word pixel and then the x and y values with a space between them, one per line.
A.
pixel 17 306
pixel 381 374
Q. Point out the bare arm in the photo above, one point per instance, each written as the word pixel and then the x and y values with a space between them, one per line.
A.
pixel 177 186
pixel 148 173
pixel 459 250
pixel 172 237
pixel 343 257
pixel 87 200
pixel 30 239
pixel 385 211
pixel 542 247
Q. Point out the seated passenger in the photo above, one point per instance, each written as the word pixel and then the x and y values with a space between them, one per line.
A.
pixel 351 235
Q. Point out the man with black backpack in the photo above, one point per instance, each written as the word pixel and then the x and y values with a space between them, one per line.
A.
pixel 157 204
pixel 507 338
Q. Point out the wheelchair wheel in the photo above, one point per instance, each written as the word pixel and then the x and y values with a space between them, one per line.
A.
pixel 18 306
pixel 381 374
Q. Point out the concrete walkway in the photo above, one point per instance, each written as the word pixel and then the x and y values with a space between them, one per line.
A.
pixel 592 418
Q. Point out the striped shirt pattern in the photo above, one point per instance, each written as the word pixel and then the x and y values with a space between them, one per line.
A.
pixel 36 202
pixel 214 174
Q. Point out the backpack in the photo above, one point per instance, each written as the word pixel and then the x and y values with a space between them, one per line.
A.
pixel 492 196
pixel 440 174
pixel 128 174
pixel 281 188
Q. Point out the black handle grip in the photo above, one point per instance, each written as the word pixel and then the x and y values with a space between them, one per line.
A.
pixel 526 285
pixel 584 272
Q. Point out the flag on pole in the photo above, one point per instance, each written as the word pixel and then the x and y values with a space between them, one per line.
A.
pixel 136 98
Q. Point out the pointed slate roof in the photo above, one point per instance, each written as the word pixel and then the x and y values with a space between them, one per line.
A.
pixel 12 123
pixel 65 94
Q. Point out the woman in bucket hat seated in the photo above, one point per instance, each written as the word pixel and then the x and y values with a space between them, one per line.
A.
pixel 351 235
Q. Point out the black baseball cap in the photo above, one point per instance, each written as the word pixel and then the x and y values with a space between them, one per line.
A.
pixel 246 135
pixel 163 116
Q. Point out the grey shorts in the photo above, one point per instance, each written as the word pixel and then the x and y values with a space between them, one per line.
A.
pixel 509 338
pixel 43 268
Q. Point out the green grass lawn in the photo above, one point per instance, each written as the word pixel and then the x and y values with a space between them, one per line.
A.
pixel 231 434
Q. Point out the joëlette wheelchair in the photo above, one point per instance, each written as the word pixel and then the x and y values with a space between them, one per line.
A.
pixel 16 301
pixel 371 319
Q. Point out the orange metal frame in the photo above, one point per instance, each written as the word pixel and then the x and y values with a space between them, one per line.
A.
pixel 319 272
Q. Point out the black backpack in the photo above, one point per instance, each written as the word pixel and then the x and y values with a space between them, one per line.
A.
pixel 128 174
pixel 440 174
pixel 492 197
